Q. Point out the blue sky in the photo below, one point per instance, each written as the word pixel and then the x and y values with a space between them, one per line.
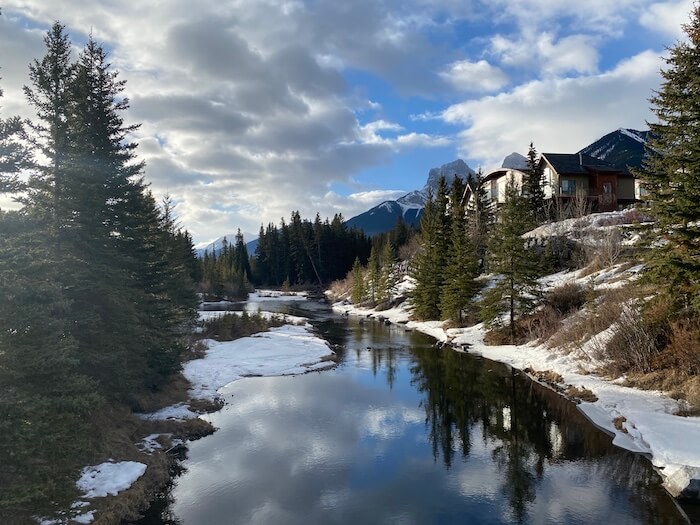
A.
pixel 253 108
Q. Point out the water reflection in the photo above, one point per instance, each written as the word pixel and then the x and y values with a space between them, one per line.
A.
pixel 402 432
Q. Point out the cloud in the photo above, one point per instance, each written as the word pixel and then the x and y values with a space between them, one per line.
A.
pixel 474 76
pixel 667 17
pixel 557 114
pixel 571 54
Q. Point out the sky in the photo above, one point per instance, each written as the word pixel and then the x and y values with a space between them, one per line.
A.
pixel 250 109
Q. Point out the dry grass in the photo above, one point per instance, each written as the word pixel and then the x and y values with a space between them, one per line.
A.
pixel 548 377
pixel 618 422
pixel 579 393
pixel 601 311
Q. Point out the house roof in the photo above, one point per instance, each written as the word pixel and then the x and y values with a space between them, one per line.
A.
pixel 581 164
pixel 501 172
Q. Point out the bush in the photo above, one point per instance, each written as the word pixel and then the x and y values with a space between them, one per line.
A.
pixel 633 345
pixel 682 352
pixel 557 305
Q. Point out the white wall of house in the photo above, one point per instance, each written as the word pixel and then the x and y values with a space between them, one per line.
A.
pixel 498 186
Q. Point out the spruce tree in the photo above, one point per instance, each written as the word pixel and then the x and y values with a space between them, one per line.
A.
pixel 357 294
pixel 462 265
pixel 49 94
pixel 671 171
pixel 516 287
pixel 387 276
pixel 429 264
pixel 373 273
pixel 479 219
pixel 533 187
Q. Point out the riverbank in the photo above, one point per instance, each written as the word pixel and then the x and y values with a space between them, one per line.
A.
pixel 119 488
pixel 641 421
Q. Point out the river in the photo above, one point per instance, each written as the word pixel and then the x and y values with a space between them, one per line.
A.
pixel 404 432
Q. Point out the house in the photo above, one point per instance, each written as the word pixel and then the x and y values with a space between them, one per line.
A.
pixel 572 176
pixel 573 179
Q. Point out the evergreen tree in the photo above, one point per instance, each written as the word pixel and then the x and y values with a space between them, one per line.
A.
pixel 14 156
pixel 357 295
pixel 671 171
pixel 462 265
pixel 533 187
pixel 387 276
pixel 49 94
pixel 373 273
pixel 479 219
pixel 516 289
pixel 429 264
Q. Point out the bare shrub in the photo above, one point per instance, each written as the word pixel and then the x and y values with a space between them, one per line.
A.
pixel 410 249
pixel 557 304
pixel 683 349
pixel 632 346
pixel 579 205
pixel 601 310
pixel 566 298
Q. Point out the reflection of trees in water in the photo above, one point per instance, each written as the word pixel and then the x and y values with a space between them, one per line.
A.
pixel 527 428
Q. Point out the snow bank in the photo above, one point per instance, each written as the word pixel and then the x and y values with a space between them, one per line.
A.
pixel 206 315
pixel 109 478
pixel 276 295
pixel 284 350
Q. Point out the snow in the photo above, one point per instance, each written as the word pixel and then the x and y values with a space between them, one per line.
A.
pixel 276 295
pixel 178 412
pixel 632 135
pixel 109 478
pixel 206 315
pixel 285 350
pixel 651 426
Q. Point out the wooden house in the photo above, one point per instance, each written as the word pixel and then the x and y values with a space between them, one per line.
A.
pixel 568 176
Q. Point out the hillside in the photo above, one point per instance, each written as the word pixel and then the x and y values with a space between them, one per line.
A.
pixel 623 148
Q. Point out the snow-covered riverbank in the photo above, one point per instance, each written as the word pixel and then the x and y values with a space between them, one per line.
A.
pixel 285 350
pixel 640 421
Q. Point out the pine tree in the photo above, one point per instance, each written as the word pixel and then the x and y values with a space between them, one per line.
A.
pixel 387 275
pixel 373 272
pixel 533 187
pixel 49 94
pixel 516 288
pixel 429 264
pixel 14 156
pixel 671 171
pixel 462 265
pixel 479 219
pixel 357 295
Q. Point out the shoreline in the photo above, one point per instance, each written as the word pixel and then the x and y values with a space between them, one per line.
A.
pixel 646 419
pixel 124 489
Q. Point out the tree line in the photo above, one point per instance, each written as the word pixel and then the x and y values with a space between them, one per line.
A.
pixel 96 279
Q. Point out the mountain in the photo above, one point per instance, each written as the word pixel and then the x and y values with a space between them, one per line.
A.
pixel 215 246
pixel 515 161
pixel 383 217
pixel 623 148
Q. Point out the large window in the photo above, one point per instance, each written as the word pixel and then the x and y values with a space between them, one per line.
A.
pixel 568 187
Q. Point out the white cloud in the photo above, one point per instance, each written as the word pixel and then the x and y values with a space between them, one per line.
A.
pixel 557 114
pixel 667 17
pixel 573 53
pixel 474 76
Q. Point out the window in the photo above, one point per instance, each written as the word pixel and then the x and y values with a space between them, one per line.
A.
pixel 494 190
pixel 568 187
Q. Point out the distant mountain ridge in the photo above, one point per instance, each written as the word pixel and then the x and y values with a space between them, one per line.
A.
pixel 384 216
pixel 623 148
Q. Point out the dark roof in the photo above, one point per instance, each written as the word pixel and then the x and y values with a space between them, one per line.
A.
pixel 500 172
pixel 580 164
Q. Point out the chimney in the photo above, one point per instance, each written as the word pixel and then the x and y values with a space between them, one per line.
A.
pixel 580 158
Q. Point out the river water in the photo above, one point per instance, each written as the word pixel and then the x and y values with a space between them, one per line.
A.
pixel 402 432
